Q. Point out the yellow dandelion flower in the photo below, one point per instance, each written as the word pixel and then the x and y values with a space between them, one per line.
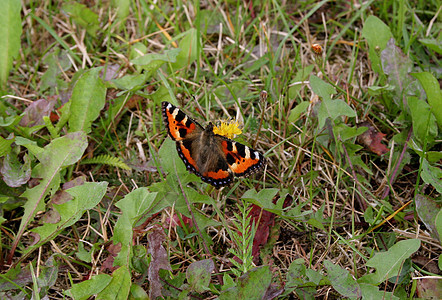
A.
pixel 227 129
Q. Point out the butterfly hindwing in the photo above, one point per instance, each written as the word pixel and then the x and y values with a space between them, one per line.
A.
pixel 241 159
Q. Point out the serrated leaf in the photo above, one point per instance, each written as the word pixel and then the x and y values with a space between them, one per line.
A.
pixel 198 275
pixel 87 101
pixel 342 281
pixel 88 288
pixel 389 263
pixel 106 159
pixel 61 152
pixel 133 206
pixel 85 197
pixel 10 33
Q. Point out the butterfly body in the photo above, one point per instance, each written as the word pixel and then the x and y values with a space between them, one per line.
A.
pixel 214 158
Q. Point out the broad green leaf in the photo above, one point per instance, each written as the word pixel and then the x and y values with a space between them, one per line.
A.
pixel 189 49
pixel 424 123
pixel 152 61
pixel 438 224
pixel 57 62
pixel 299 109
pixel 372 292
pixel 85 197
pixel 61 152
pixel 434 94
pixel 329 108
pixel 133 206
pixel 433 44
pixel 137 292
pixel 321 88
pixel 250 286
pixel 389 263
pixel 198 275
pixel 83 16
pixel 377 34
pixel 119 286
pixel 5 145
pixel 122 7
pixel 333 109
pixel 10 33
pixel 88 288
pixel 87 101
pixel 346 132
pixel 432 175
pixel 130 82
pixel 342 281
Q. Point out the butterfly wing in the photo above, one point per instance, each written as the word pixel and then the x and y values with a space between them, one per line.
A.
pixel 241 159
pixel 212 157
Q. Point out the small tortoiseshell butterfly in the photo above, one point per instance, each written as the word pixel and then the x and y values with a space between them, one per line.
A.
pixel 214 158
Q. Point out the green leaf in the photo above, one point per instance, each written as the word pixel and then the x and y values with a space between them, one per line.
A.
pixel 106 160
pixel 321 88
pixel 137 292
pixel 438 224
pixel 389 263
pixel 299 109
pixel 432 175
pixel 5 145
pixel 122 7
pixel 83 17
pixel 87 101
pixel 424 123
pixel 10 33
pixel 433 44
pixel 85 197
pixel 152 61
pixel 60 153
pixel 130 82
pixel 372 292
pixel 88 288
pixel 119 287
pixel 329 108
pixel 198 275
pixel 377 34
pixel 250 286
pixel 133 206
pixel 342 281
pixel 189 49
pixel 427 210
pixel 434 94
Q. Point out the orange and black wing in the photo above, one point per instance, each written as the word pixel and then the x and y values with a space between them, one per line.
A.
pixel 241 159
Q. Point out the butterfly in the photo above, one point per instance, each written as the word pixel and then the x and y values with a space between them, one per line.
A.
pixel 214 158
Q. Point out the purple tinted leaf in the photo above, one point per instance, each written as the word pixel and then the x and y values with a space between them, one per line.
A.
pixel 198 275
pixel 427 210
pixel 397 67
pixel 34 113
pixel 159 260
pixel 13 172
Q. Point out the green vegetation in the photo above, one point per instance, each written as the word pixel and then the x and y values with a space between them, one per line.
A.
pixel 95 201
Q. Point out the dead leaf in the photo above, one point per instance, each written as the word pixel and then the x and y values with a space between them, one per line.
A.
pixel 372 138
